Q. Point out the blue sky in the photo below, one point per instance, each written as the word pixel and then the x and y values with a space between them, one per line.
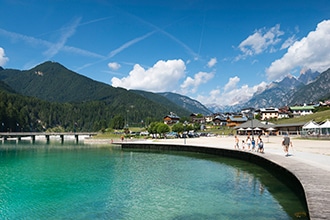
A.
pixel 218 52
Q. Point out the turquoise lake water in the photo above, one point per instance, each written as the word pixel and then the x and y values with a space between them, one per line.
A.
pixel 43 181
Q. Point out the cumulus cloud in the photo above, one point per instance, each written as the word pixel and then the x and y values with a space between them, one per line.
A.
pixel 232 83
pixel 114 66
pixel 232 96
pixel 162 77
pixel 192 84
pixel 212 62
pixel 3 58
pixel 260 41
pixel 311 51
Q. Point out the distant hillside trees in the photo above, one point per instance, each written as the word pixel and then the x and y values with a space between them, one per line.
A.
pixel 118 122
pixel 21 113
pixel 158 128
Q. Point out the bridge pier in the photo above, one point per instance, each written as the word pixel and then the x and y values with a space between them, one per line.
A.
pixel 62 138
pixel 33 139
pixel 47 138
pixel 4 136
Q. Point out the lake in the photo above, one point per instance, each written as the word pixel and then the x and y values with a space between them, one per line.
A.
pixel 53 181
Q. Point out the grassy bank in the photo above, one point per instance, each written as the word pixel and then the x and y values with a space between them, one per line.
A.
pixel 317 117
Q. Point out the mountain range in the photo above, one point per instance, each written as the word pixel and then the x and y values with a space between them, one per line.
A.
pixel 52 82
pixel 309 87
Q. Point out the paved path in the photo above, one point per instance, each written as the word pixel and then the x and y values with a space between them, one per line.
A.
pixel 309 161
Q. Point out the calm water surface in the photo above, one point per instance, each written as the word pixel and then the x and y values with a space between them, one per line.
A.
pixel 78 182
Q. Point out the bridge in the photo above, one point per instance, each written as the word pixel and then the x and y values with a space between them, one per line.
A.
pixel 18 135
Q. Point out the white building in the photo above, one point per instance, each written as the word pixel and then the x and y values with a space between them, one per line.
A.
pixel 268 113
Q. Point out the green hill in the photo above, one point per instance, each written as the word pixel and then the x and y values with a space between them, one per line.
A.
pixel 53 82
pixel 6 88
pixel 320 116
pixel 65 97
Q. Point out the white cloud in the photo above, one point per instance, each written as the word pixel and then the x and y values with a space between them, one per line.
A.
pixel 114 66
pixel 162 77
pixel 311 51
pixel 288 42
pixel 232 96
pixel 192 84
pixel 212 62
pixel 3 58
pixel 231 83
pixel 260 41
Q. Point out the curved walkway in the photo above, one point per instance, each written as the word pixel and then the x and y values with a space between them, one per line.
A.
pixel 309 161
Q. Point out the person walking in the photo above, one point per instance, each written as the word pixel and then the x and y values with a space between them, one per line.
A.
pixel 253 142
pixel 248 143
pixel 286 143
pixel 243 145
pixel 236 146
pixel 260 145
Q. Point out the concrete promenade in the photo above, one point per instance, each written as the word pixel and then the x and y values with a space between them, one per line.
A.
pixel 309 161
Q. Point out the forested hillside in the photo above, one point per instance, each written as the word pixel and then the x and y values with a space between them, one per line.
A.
pixel 51 96
pixel 20 113
pixel 51 81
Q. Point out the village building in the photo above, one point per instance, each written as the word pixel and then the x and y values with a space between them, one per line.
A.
pixel 301 110
pixel 209 118
pixel 326 103
pixel 254 127
pixel 235 120
pixel 171 119
pixel 283 112
pixel 220 120
pixel 197 118
pixel 290 129
pixel 268 113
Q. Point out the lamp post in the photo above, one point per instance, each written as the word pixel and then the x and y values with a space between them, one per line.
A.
pixel 184 132
pixel 251 117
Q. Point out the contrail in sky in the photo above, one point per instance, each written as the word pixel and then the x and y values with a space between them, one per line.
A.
pixel 65 35
pixel 128 44
pixel 201 39
pixel 187 48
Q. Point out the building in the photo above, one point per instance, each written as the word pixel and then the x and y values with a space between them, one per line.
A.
pixel 235 120
pixel 220 120
pixel 209 118
pixel 268 113
pixel 301 110
pixel 197 118
pixel 284 112
pixel 254 127
pixel 171 119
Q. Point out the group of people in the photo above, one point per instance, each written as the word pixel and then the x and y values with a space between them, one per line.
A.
pixel 250 144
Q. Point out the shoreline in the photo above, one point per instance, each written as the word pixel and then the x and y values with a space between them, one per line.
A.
pixel 315 152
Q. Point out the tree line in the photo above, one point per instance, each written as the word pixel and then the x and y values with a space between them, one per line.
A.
pixel 20 113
